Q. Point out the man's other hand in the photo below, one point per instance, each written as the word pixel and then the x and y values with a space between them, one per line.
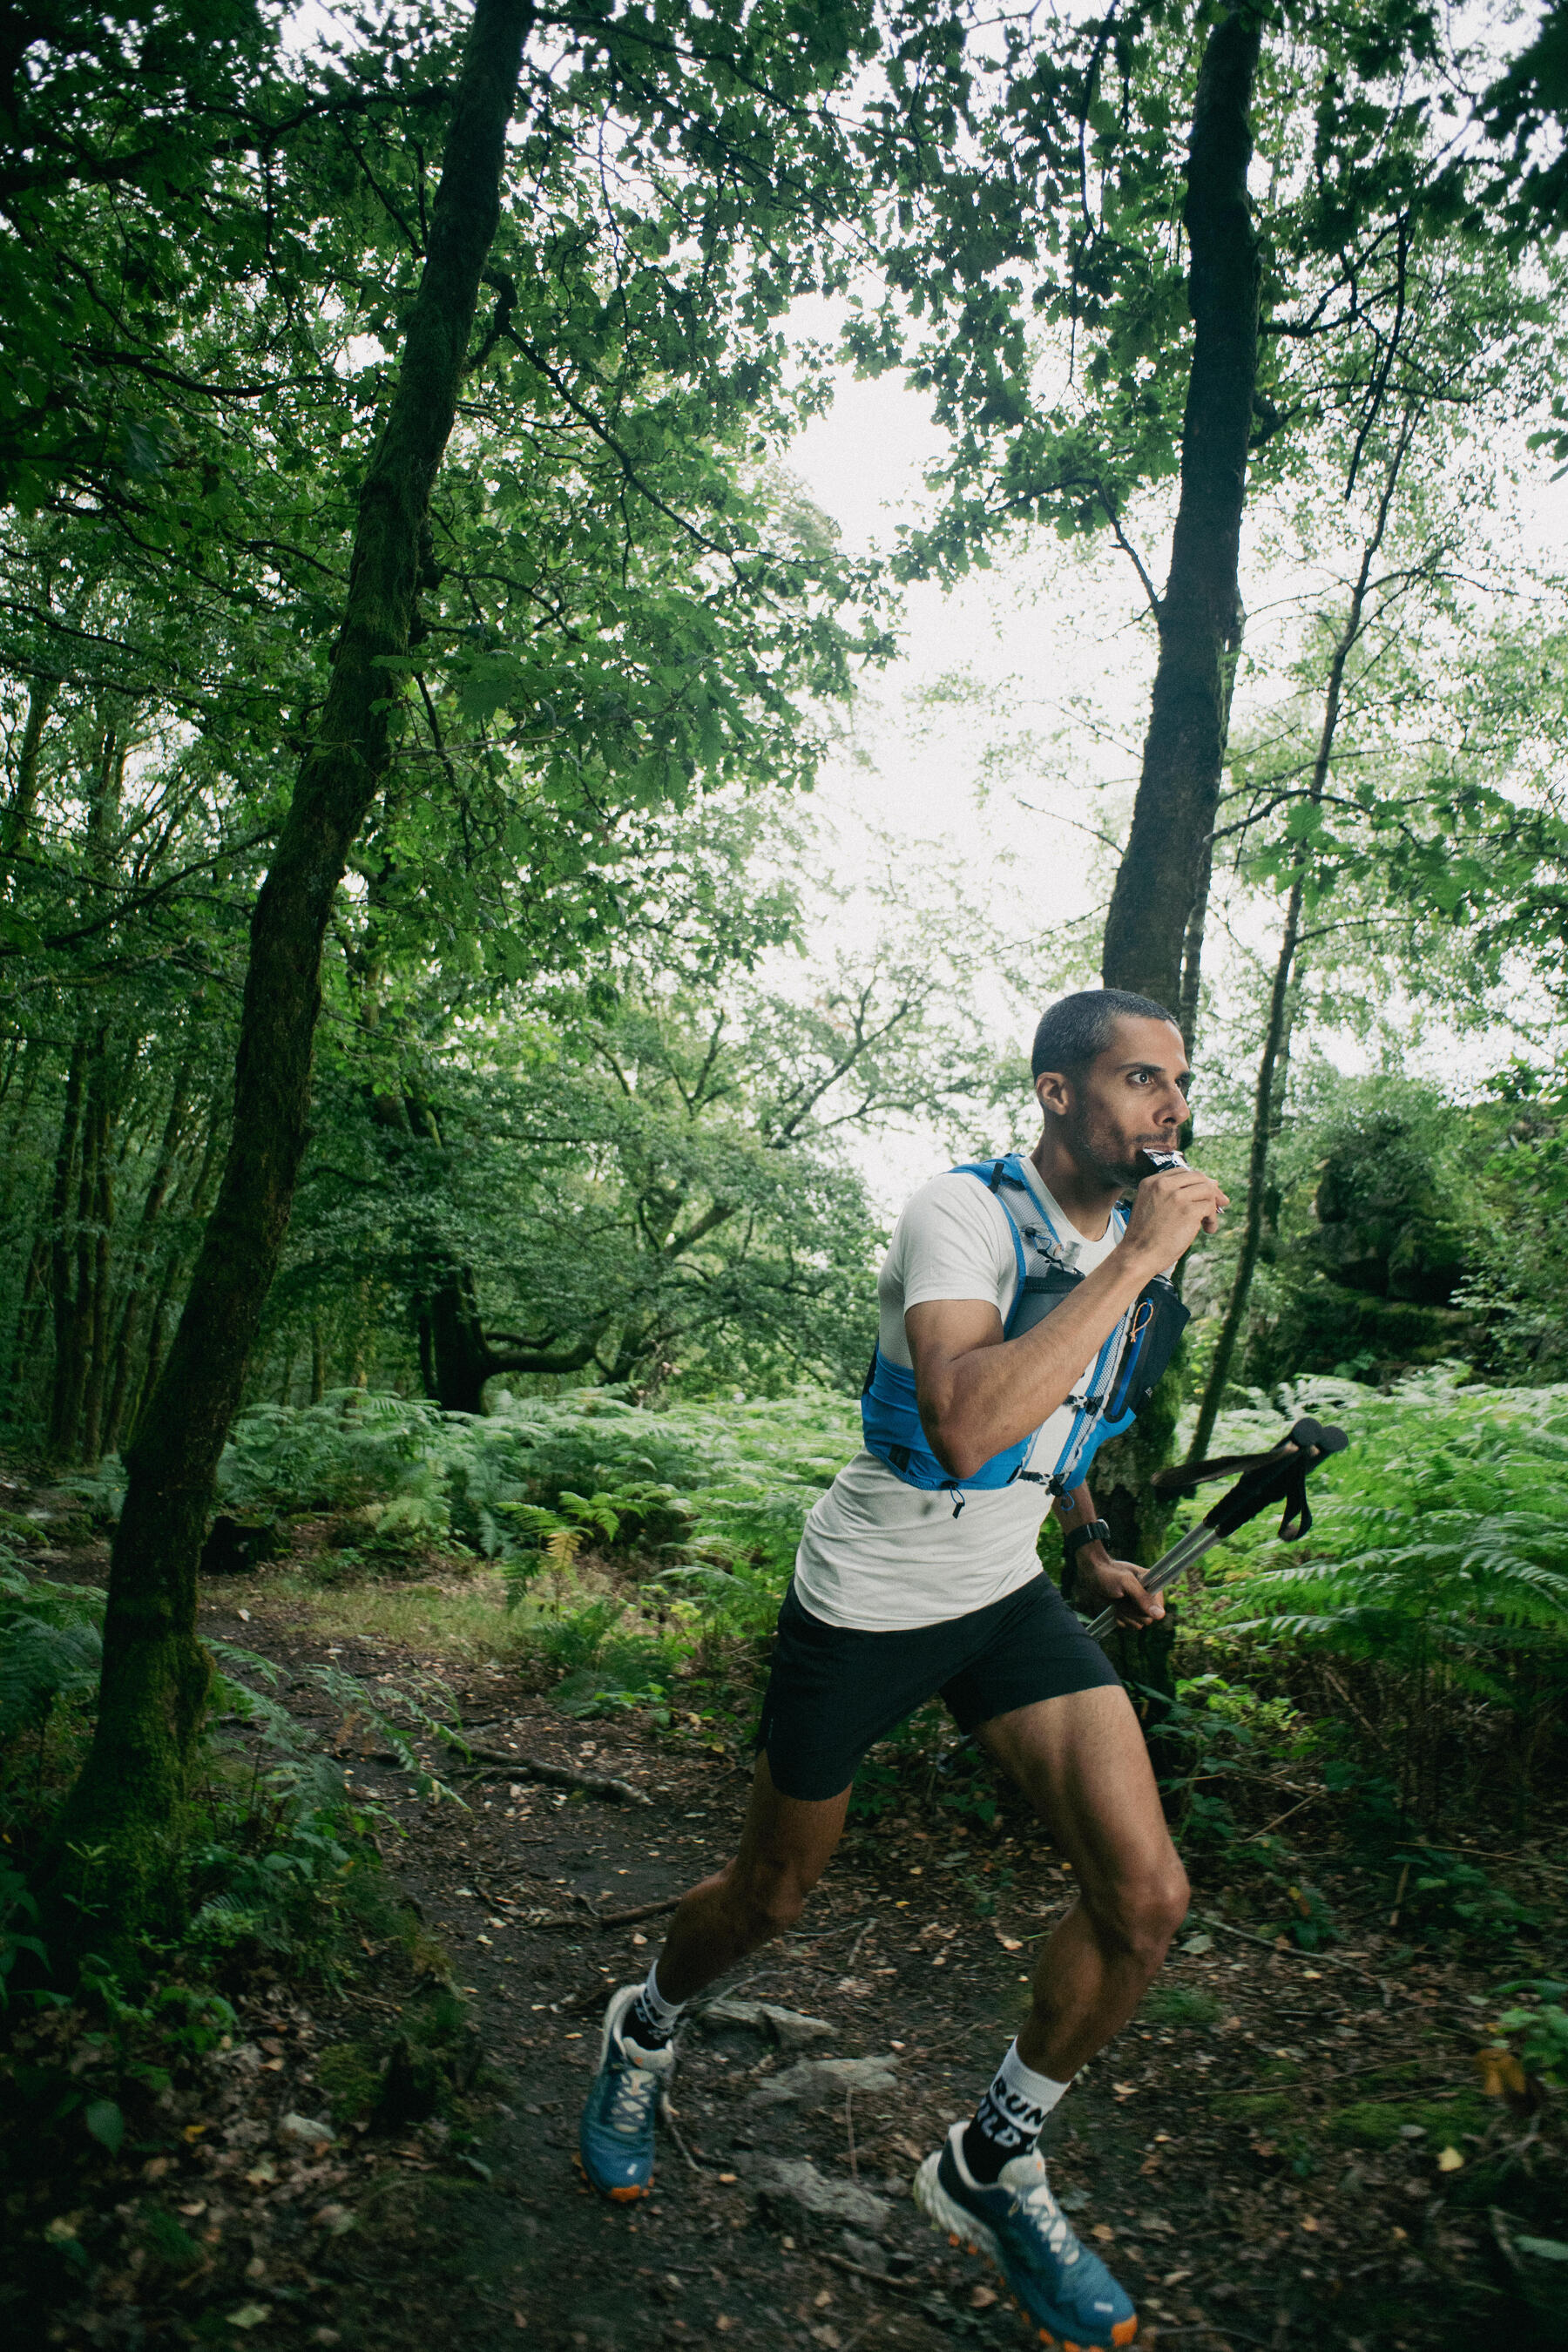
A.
pixel 1120 1582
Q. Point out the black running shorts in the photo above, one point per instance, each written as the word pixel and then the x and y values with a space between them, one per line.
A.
pixel 834 1690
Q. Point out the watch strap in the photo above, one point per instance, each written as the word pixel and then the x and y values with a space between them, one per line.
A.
pixel 1091 1531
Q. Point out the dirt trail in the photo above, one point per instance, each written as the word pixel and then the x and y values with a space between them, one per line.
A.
pixel 1207 2150
pixel 1257 2155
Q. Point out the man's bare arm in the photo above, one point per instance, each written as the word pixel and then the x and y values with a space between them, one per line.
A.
pixel 979 1393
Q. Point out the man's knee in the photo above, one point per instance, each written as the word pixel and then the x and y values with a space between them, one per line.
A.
pixel 1139 1916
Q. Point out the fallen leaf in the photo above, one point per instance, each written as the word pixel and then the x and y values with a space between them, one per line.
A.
pixel 1009 1943
pixel 723 2322
pixel 728 2177
pixel 1174 2278
pixel 1309 2220
pixel 1451 2160
pixel 261 2173
pixel 1196 1944
pixel 199 2206
pixel 250 2314
pixel 195 2131
pixel 1103 2231
pixel 1125 2090
pixel 982 2298
pixel 309 2131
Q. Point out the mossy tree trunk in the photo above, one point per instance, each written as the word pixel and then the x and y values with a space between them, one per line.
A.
pixel 116 1834
pixel 1151 943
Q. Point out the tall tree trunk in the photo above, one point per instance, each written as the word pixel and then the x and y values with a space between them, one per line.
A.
pixel 126 1805
pixel 1199 616
pixel 1265 1094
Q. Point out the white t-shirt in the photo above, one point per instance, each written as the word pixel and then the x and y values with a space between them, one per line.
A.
pixel 877 1554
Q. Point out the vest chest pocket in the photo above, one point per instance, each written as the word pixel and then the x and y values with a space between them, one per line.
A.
pixel 1039 1295
pixel 1159 1320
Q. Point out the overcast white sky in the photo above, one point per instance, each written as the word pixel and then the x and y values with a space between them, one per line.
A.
pixel 1045 623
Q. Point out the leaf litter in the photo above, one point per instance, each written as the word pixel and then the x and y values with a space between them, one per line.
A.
pixel 1309 2137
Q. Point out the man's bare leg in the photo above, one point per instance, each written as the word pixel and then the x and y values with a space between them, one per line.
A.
pixel 1082 1764
pixel 1080 1761
pixel 786 1845
pixel 784 1850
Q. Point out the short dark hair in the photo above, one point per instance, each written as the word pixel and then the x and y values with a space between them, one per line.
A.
pixel 1078 1029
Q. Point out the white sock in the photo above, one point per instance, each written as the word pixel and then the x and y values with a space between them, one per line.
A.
pixel 658 2017
pixel 660 2011
pixel 1009 2117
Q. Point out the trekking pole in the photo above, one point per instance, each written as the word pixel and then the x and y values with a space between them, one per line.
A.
pixel 1277 1476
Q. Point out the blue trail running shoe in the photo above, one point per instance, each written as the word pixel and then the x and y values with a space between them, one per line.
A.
pixel 1066 2291
pixel 615 2139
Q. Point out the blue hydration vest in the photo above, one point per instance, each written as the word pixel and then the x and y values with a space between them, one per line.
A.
pixel 1120 1384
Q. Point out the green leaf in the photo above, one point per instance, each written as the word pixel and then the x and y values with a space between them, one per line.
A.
pixel 106 2123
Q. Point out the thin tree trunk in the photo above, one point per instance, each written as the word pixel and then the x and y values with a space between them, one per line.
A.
pixel 157 1193
pixel 155 1678
pixel 194 1210
pixel 1199 616
pixel 1256 1179
pixel 18 819
pixel 66 1153
pixel 73 1364
pixel 31 1313
pixel 95 1392
pixel 1276 1031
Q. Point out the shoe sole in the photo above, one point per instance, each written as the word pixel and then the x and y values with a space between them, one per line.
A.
pixel 963 2230
pixel 626 2196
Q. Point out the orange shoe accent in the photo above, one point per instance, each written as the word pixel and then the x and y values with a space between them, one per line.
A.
pixel 626 2196
pixel 953 2237
pixel 971 2250
pixel 1124 2330
pixel 1046 2336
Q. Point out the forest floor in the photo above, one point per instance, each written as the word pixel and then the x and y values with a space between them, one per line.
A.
pixel 1285 2149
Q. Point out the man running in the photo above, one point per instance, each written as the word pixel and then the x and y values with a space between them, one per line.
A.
pixel 1024 1315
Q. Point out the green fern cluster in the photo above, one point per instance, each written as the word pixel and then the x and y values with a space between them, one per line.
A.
pixel 1441 1542
pixel 51 1645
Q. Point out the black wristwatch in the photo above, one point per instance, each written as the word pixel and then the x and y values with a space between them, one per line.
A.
pixel 1091 1531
